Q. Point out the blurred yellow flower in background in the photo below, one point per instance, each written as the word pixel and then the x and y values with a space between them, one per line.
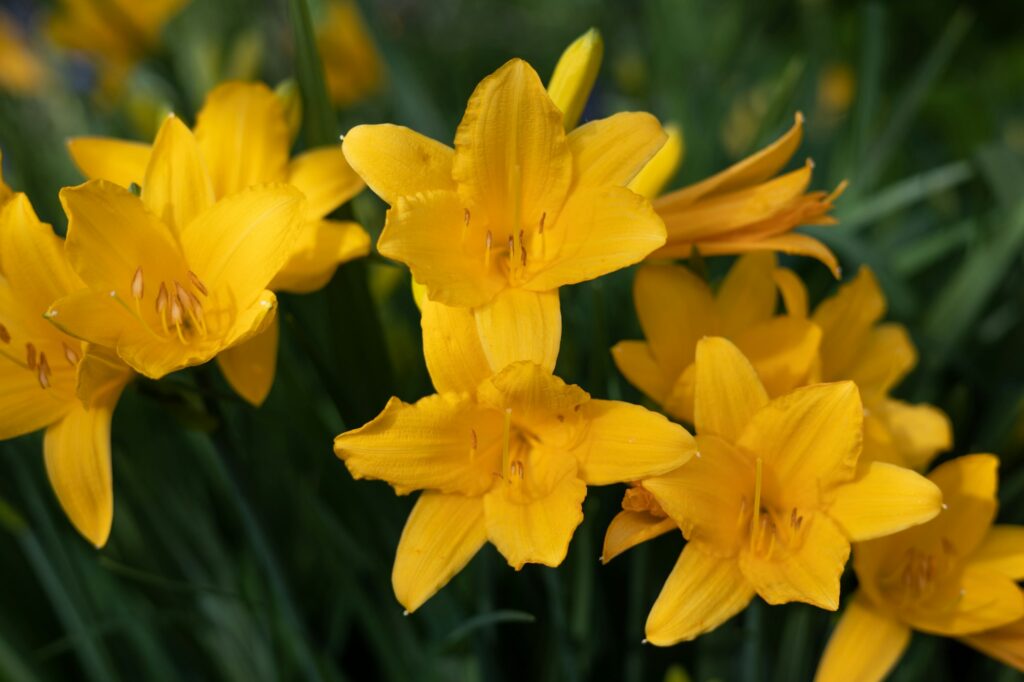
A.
pixel 955 576
pixel 244 137
pixel 352 66
pixel 21 70
pixel 51 380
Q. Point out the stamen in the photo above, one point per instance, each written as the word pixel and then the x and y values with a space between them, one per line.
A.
pixel 5 335
pixel 44 371
pixel 511 247
pixel 518 470
pixel 176 318
pixel 161 306
pixel 472 433
pixel 487 251
pixel 30 355
pixel 543 217
pixel 756 520
pixel 522 248
pixel 506 434
pixel 198 283
pixel 138 286
pixel 70 354
pixel 465 215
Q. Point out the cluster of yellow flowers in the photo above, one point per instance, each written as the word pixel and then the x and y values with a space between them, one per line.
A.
pixel 174 251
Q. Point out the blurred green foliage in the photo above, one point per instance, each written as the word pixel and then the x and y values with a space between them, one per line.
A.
pixel 242 549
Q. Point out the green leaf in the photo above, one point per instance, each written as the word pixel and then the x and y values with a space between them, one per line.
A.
pixel 320 123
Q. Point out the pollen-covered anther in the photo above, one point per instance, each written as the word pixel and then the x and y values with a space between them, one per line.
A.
pixel 44 371
pixel 517 469
pixel 465 216
pixel 522 248
pixel 5 335
pixel 198 283
pixel 30 355
pixel 543 217
pixel 138 285
pixel 70 354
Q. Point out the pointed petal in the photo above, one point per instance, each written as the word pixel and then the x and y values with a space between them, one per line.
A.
pixel 519 325
pixel 242 132
pixel 105 158
pixel 701 593
pixel 783 350
pixel 659 171
pixel 426 445
pixel 728 393
pixel 420 232
pixel 975 601
pixel 634 360
pixel 1002 551
pixel 794 293
pixel 532 520
pixel 398 162
pixel 680 400
pixel 611 151
pixel 92 316
pixel 808 572
pixel 968 485
pixel 865 645
pixel 574 76
pixel 627 442
pixel 177 185
pixel 884 358
pixel 791 243
pixel 882 500
pixel 326 179
pixel 676 310
pixel 249 367
pixel 747 295
pixel 99 373
pixel 510 149
pixel 846 319
pixel 910 435
pixel 810 439
pixel 1005 644
pixel 629 529
pixel 77 454
pixel 317 251
pixel 599 231
pixel 451 346
pixel 442 534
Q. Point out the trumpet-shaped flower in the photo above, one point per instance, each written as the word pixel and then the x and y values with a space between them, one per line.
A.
pixel 519 208
pixel 243 138
pixel 175 276
pixel 352 66
pixel 51 380
pixel 506 459
pixel 774 499
pixel 954 576
pixel 747 208
pixel 677 308
pixel 856 346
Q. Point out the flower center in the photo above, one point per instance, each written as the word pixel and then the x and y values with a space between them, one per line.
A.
pixel 767 526
pixel 178 307
pixel 921 571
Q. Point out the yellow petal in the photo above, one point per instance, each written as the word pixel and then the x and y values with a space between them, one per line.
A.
pixel 885 357
pixel 442 534
pixel 419 232
pixel 627 442
pixel 968 487
pixel 451 346
pixel 536 526
pixel 326 179
pixel 653 177
pixel 808 572
pixel 882 500
pixel 1002 551
pixel 243 134
pixel 242 241
pixel 519 325
pixel 751 170
pixel 865 645
pixel 1005 644
pixel 24 405
pixel 701 496
pixel 106 158
pixel 974 601
pixel 629 529
pixel 177 185
pixel 676 310
pixel 599 231
pixel 637 364
pixel 511 154
pixel 846 319
pixel 77 454
pixel 680 400
pixel 728 393
pixel 250 322
pixel 99 373
pixel 538 402
pixel 911 436
pixel 783 350
pixel 426 445
pixel 398 162
pixel 611 151
pixel 747 295
pixel 701 593
pixel 317 251
pixel 794 293
pixel 574 76
pixel 92 316
pixel 810 439
pixel 250 366
pixel 791 243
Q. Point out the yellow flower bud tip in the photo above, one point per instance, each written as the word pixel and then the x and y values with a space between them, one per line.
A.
pixel 575 74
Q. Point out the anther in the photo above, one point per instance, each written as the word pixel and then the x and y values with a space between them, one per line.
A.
pixel 517 469
pixel 465 215
pixel 5 335
pixel 543 217
pixel 161 299
pixel 522 248
pixel 198 283
pixel 138 287
pixel 487 251
pixel 70 354
pixel 30 355
pixel 44 371
pixel 511 246
pixel 472 433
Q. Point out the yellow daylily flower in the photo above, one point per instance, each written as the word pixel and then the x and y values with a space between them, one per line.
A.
pixel 352 66
pixel 955 576
pixel 21 71
pixel 116 33
pixel 677 309
pixel 856 345
pixel 774 498
pixel 51 380
pixel 505 459
pixel 574 76
pixel 175 276
pixel 534 208
pixel 244 137
pixel 747 208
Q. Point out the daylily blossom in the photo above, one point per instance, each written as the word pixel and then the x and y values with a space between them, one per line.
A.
pixel 954 576
pixel 747 208
pixel 505 458
pixel 774 499
pixel 116 33
pixel 243 138
pixel 518 209
pixel 856 346
pixel 677 308
pixel 175 276
pixel 51 380
pixel 352 66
